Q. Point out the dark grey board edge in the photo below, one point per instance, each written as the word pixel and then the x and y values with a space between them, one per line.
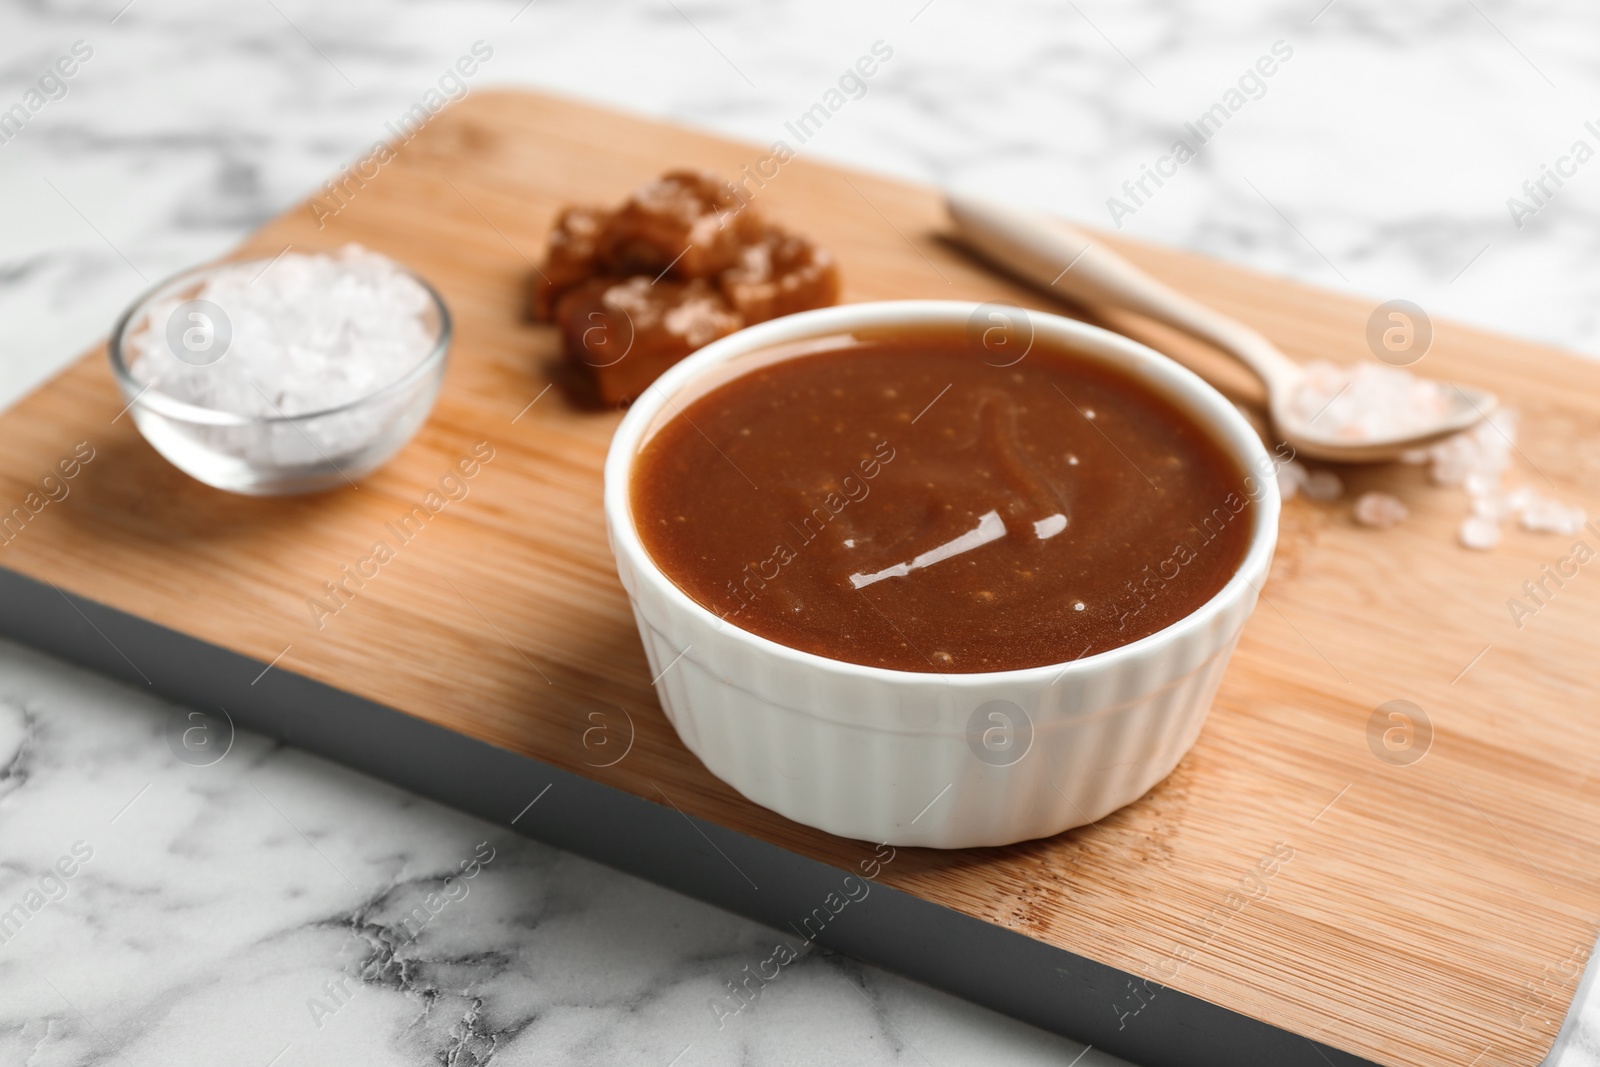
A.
pixel 997 968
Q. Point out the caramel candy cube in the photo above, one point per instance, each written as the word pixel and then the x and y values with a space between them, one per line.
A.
pixel 623 333
pixel 572 257
pixel 686 223
pixel 779 275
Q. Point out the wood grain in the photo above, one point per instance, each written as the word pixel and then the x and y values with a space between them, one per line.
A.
pixel 1430 914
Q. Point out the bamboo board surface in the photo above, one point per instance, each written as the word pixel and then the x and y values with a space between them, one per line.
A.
pixel 1430 913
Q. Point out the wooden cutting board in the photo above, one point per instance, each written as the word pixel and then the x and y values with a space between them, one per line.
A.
pixel 1431 913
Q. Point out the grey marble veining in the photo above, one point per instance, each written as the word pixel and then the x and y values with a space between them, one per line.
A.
pixel 1381 157
pixel 273 908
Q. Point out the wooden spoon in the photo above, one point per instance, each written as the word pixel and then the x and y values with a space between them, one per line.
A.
pixel 1067 263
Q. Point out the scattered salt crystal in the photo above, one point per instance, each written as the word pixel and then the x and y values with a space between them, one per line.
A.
pixel 1481 483
pixel 1482 451
pixel 1546 515
pixel 1480 533
pixel 1291 476
pixel 1368 402
pixel 1495 506
pixel 1499 504
pixel 1376 402
pixel 1448 470
pixel 1476 460
pixel 1380 510
pixel 1324 486
pixel 1294 478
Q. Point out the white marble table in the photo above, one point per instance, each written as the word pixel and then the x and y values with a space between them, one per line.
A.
pixel 219 903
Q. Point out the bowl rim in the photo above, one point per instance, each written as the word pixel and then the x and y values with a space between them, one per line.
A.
pixel 146 395
pixel 1196 397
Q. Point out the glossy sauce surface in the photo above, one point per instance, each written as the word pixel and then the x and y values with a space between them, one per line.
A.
pixel 898 500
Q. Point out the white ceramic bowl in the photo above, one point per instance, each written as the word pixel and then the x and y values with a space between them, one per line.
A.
pixel 944 760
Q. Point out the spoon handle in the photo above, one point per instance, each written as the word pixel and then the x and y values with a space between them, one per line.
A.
pixel 1066 262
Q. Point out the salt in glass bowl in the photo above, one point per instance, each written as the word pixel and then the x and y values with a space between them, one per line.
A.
pixel 277 454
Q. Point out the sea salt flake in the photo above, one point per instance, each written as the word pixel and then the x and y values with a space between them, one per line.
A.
pixel 1368 402
pixel 1495 506
pixel 1380 510
pixel 1480 533
pixel 1324 486
pixel 1291 476
pixel 309 332
pixel 1449 471
pixel 1476 460
pixel 1547 515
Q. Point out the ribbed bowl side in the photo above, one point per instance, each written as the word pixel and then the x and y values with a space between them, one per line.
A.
pixel 784 746
pixel 899 757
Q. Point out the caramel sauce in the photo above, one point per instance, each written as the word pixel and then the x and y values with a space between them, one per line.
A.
pixel 897 501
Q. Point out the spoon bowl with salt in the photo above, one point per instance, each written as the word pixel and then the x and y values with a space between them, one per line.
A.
pixel 1362 414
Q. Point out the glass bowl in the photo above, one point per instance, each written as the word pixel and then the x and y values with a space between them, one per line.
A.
pixel 276 454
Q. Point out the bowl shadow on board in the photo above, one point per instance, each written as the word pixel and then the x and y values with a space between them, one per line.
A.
pixel 130 488
pixel 1135 837
pixel 576 389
